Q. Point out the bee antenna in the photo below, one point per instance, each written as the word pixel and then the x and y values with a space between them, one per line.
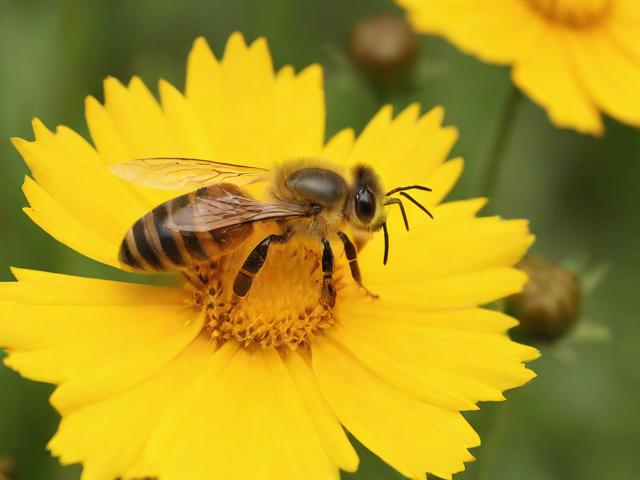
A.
pixel 410 187
pixel 417 204
pixel 397 201
pixel 386 243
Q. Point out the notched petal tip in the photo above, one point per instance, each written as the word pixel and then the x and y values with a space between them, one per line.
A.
pixel 200 51
pixel 136 82
pixel 409 114
pixel 90 103
pixel 259 44
pixel 113 88
pixel 20 144
pixel 200 42
pixel 438 113
pixel 314 72
pixel 40 130
pixel 236 45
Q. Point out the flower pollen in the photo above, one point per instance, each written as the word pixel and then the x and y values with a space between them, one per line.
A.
pixel 574 13
pixel 282 308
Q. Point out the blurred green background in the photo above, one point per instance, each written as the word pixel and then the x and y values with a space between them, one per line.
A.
pixel 578 420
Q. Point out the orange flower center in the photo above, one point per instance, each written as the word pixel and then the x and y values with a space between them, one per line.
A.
pixel 575 13
pixel 282 309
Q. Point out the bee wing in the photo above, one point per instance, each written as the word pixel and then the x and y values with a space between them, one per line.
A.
pixel 207 213
pixel 175 173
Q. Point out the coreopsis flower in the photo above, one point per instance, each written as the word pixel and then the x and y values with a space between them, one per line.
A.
pixel 156 382
pixel 576 58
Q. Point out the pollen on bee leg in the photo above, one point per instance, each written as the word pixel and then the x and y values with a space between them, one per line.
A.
pixel 282 308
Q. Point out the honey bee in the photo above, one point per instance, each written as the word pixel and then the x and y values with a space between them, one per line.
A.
pixel 308 197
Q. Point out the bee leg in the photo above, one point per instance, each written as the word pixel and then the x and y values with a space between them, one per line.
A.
pixel 352 258
pixel 254 263
pixel 328 295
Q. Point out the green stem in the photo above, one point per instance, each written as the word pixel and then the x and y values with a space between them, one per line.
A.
pixel 497 150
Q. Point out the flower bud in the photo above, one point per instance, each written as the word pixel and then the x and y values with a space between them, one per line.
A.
pixel 7 468
pixel 383 45
pixel 549 305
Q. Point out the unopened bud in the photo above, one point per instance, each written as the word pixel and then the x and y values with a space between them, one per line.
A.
pixel 549 305
pixel 383 45
pixel 7 468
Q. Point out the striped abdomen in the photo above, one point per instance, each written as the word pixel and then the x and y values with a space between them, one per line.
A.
pixel 150 246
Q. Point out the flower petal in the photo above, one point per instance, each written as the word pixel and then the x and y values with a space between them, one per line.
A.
pixel 459 291
pixel 109 436
pixel 74 197
pixel 339 147
pixel 610 75
pixel 138 119
pixel 329 428
pixel 510 32
pixel 461 355
pixel 185 124
pixel 246 420
pixel 493 30
pixel 562 94
pixel 94 347
pixel 252 116
pixel 623 25
pixel 411 436
pixel 433 253
pixel 406 149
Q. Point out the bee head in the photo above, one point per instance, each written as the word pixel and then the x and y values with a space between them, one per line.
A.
pixel 365 208
pixel 365 204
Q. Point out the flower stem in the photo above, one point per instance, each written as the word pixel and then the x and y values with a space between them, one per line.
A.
pixel 497 149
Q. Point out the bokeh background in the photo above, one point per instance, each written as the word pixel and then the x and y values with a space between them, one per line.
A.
pixel 578 420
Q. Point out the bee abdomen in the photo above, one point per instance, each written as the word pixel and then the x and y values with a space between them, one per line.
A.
pixel 151 247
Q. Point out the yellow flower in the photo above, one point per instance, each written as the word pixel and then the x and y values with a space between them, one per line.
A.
pixel 576 58
pixel 150 382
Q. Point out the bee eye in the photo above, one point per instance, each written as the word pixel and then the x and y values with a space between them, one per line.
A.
pixel 365 205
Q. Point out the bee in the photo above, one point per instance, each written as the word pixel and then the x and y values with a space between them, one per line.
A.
pixel 308 197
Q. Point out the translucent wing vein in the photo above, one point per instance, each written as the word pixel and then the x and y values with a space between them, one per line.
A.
pixel 174 173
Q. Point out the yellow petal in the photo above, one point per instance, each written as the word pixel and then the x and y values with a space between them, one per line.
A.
pixel 611 77
pixel 623 25
pixel 339 147
pixel 74 197
pixel 512 33
pixel 61 225
pixel 406 149
pixel 465 353
pixel 333 436
pixel 427 388
pixel 106 138
pixel 412 436
pixel 109 436
pixel 458 291
pixel 185 124
pixel 433 253
pixel 138 119
pixel 493 30
pixel 562 93
pixel 251 115
pixel 36 287
pixel 300 114
pixel 246 420
pixel 94 349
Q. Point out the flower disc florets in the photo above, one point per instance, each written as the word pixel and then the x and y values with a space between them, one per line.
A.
pixel 283 307
pixel 578 13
